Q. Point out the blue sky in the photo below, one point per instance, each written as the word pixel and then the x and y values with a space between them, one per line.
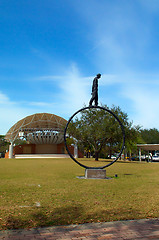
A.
pixel 51 50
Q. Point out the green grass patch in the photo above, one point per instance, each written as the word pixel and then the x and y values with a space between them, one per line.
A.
pixel 43 192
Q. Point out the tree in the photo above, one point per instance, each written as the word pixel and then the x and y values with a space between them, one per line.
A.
pixel 132 132
pixel 99 130
pixel 4 145
pixel 133 136
pixel 150 136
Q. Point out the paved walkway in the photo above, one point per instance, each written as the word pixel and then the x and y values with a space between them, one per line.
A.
pixel 133 229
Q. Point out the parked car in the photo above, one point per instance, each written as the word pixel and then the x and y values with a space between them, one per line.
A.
pixel 134 158
pixel 145 157
pixel 112 157
pixel 155 158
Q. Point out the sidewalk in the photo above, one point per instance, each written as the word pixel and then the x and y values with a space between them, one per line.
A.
pixel 132 229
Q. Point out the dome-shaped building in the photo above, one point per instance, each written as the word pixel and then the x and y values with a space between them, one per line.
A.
pixel 43 133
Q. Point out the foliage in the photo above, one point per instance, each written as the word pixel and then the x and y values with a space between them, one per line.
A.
pixel 100 132
pixel 150 136
pixel 4 145
pixel 20 142
pixel 133 136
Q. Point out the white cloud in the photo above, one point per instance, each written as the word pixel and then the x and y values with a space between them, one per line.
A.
pixel 49 78
pixel 131 91
pixel 119 35
pixel 11 112
pixel 120 45
pixel 74 89
pixel 3 98
pixel 144 103
pixel 39 104
pixel 110 79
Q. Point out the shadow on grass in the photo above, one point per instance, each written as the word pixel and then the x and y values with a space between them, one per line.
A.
pixel 93 160
pixel 41 217
pixel 108 160
pixel 114 214
pixel 69 215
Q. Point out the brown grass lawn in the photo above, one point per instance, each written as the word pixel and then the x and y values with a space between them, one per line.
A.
pixel 43 192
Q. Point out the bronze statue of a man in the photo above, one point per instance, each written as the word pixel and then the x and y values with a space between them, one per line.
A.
pixel 95 91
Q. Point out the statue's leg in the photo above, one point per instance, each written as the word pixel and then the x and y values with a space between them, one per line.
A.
pixel 96 100
pixel 93 98
pixel 90 102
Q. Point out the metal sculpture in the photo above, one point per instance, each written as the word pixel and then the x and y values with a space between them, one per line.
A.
pixel 95 99
pixel 95 91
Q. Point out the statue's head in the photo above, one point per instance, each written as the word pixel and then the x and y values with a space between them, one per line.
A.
pixel 98 75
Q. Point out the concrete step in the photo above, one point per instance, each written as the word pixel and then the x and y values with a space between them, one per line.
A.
pixel 41 156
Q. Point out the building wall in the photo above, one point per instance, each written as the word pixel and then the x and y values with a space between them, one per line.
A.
pixel 24 149
pixel 71 149
pixel 42 149
pixel 45 148
pixel 36 149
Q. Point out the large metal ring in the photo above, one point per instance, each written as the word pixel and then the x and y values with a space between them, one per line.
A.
pixel 123 137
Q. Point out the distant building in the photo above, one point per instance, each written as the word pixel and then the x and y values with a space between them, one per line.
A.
pixel 44 134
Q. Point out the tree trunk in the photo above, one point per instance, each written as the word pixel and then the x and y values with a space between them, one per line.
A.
pixel 130 155
pixel 125 154
pixel 110 153
pixel 96 156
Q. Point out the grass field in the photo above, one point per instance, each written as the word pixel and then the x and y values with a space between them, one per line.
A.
pixel 43 192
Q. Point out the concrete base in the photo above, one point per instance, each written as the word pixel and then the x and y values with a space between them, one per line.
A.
pixel 95 173
pixel 41 156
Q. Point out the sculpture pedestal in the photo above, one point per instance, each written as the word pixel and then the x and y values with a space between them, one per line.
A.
pixel 95 173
